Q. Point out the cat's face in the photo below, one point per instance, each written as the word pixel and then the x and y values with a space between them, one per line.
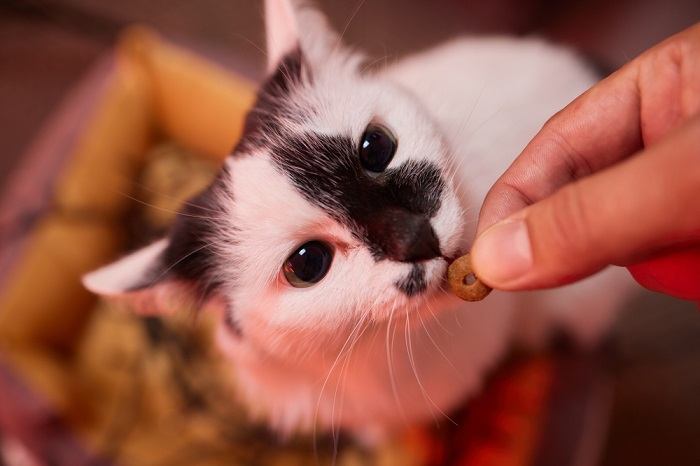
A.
pixel 337 206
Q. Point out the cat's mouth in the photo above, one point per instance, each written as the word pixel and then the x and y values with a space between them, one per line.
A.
pixel 424 278
pixel 421 285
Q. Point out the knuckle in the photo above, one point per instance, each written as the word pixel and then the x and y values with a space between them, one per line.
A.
pixel 577 164
pixel 690 38
pixel 556 133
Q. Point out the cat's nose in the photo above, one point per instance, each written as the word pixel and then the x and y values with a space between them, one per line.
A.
pixel 404 236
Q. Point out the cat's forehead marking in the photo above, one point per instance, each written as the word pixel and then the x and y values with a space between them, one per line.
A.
pixel 273 108
pixel 189 255
pixel 271 216
pixel 325 168
pixel 327 172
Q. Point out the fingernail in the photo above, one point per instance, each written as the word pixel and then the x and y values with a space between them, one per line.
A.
pixel 502 253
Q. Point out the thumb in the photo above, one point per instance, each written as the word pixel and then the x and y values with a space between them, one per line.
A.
pixel 644 205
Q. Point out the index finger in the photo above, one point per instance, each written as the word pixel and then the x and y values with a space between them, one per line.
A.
pixel 596 130
pixel 614 119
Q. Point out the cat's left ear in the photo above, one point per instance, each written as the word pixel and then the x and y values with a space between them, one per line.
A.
pixel 144 280
pixel 295 24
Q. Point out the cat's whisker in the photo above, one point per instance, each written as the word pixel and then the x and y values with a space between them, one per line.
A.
pixel 174 264
pixel 485 121
pixel 434 316
pixel 325 382
pixel 369 65
pixel 467 119
pixel 339 42
pixel 162 209
pixel 426 395
pixel 411 360
pixel 455 314
pixel 437 347
pixel 455 169
pixel 256 46
pixel 342 381
pixel 390 363
pixel 143 187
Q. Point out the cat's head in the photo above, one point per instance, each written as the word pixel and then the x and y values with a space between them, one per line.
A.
pixel 337 204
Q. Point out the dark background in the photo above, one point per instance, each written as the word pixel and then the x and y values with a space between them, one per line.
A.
pixel 45 46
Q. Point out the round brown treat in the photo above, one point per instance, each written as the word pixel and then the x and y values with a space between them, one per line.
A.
pixel 463 282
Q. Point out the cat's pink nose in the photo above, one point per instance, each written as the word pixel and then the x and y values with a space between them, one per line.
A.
pixel 403 236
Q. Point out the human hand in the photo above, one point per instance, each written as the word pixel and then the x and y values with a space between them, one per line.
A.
pixel 614 178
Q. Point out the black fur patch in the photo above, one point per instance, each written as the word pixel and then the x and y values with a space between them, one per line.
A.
pixel 189 255
pixel 327 171
pixel 414 283
pixel 272 103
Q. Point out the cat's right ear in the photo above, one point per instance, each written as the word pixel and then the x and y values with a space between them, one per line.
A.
pixel 282 31
pixel 137 279
pixel 297 25
pixel 143 280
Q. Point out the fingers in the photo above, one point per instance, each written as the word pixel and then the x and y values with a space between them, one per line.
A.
pixel 633 107
pixel 596 130
pixel 647 203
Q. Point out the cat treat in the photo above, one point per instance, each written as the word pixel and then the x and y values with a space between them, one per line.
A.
pixel 464 283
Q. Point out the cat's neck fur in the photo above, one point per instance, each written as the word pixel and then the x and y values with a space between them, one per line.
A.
pixel 380 377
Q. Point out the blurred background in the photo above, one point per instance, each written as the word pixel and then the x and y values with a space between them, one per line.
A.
pixel 46 46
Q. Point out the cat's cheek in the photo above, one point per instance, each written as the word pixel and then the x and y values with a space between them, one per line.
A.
pixel 451 226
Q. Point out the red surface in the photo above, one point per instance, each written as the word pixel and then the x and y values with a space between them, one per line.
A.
pixel 676 274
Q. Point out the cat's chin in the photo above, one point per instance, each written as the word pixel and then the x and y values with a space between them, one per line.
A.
pixel 435 277
pixel 430 294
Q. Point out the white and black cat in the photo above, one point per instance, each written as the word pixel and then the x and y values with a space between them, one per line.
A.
pixel 324 240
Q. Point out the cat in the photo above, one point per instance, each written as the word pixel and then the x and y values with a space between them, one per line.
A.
pixel 324 239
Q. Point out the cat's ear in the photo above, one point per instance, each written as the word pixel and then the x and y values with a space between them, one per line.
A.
pixel 295 24
pixel 282 32
pixel 176 271
pixel 144 280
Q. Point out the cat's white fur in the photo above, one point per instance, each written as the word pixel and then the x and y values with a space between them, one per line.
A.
pixel 353 352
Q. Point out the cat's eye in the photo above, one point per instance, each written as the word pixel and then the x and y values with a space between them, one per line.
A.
pixel 308 264
pixel 377 148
